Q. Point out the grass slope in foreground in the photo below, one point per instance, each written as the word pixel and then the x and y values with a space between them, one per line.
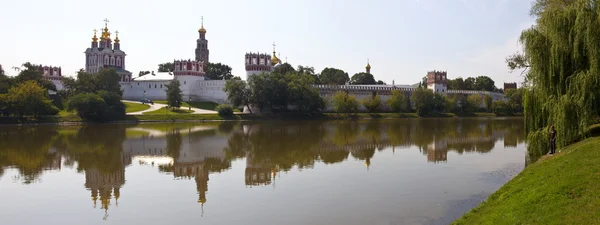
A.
pixel 559 189
pixel 135 107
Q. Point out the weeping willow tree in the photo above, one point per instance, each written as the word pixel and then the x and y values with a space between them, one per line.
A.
pixel 562 54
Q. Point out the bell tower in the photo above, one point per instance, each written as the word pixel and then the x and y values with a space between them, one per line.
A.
pixel 202 45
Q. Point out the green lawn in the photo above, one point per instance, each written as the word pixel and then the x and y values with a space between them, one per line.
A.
pixel 135 107
pixel 165 111
pixel 559 189
pixel 199 105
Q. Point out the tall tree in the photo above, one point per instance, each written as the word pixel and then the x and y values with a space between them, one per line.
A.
pixel 362 78
pixel 5 83
pixel 284 69
pixel 333 76
pixel 456 84
pixel 174 94
pixel 32 72
pixel 469 84
pixel 561 50
pixel 306 70
pixel 238 93
pixel 310 71
pixel 423 100
pixel 166 67
pixel 484 83
pixel 218 71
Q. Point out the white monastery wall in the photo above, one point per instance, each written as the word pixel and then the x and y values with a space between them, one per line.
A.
pixel 154 90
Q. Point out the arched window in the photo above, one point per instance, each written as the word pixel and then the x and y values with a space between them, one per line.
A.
pixel 184 82
pixel 155 86
pixel 161 86
pixel 149 85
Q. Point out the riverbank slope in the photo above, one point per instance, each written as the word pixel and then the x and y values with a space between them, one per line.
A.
pixel 559 189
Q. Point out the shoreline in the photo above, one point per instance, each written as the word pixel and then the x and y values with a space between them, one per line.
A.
pixel 195 118
pixel 561 187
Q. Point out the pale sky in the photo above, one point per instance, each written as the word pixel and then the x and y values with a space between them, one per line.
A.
pixel 403 39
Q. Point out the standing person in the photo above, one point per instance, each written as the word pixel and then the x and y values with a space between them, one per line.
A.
pixel 552 140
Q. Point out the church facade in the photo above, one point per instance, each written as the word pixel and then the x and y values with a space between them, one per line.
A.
pixel 106 53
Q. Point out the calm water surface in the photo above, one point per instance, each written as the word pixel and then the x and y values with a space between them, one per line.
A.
pixel 412 171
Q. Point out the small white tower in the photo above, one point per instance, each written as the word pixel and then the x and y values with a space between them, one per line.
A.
pixel 437 81
pixel 188 72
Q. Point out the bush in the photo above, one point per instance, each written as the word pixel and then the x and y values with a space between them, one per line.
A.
pixel 372 104
pixel 88 106
pixel 225 110
pixel 398 102
pixel 344 103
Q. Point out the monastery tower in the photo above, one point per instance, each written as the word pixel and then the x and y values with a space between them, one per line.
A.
pixel 202 45
pixel 437 82
pixel 257 63
pixel 105 54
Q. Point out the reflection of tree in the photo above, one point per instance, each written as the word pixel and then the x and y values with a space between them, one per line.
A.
pixel 285 145
pixel 174 141
pixel 96 147
pixel 345 132
pixel 28 149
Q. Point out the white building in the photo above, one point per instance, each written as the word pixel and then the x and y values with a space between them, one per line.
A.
pixel 189 73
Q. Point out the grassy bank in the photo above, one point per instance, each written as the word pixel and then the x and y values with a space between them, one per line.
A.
pixel 172 112
pixel 559 189
pixel 198 105
pixel 135 107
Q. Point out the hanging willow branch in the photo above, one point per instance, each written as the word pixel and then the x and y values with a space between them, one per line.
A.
pixel 563 52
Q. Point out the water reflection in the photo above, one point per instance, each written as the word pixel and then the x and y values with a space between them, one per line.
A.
pixel 195 151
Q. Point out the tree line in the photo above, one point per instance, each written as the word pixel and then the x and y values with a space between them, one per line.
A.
pixel 26 94
pixel 289 89
pixel 424 102
pixel 95 97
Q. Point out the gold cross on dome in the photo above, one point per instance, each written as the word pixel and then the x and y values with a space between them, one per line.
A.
pixel 106 20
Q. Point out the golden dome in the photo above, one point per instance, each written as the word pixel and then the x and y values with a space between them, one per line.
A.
pixel 117 37
pixel 275 60
pixel 95 39
pixel 368 65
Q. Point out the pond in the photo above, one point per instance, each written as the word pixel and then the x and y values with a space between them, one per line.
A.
pixel 403 171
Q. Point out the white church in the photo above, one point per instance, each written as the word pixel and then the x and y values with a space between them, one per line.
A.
pixel 190 73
